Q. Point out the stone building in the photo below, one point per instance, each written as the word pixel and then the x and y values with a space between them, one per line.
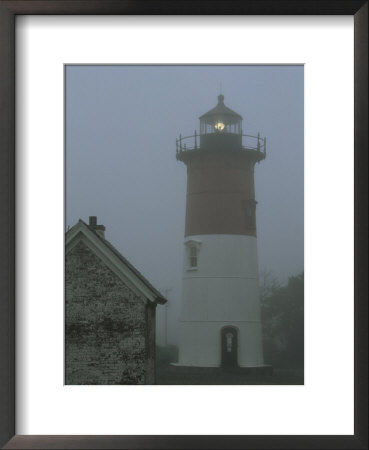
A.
pixel 109 313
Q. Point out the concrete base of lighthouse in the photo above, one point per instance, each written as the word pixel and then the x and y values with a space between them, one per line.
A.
pixel 213 373
pixel 201 346
pixel 220 315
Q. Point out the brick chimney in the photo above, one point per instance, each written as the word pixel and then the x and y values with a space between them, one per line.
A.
pixel 99 229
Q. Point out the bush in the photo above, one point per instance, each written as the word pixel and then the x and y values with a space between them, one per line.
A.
pixel 283 323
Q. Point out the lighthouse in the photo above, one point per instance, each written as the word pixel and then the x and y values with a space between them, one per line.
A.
pixel 219 323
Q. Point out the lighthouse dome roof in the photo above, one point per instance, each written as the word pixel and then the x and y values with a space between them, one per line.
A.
pixel 221 111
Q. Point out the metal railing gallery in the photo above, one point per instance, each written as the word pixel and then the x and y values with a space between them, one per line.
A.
pixel 248 142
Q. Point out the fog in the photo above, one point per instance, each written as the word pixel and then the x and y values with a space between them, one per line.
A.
pixel 121 127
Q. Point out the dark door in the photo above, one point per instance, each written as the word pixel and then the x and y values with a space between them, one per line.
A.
pixel 229 347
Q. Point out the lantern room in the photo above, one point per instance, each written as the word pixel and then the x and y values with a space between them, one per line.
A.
pixel 220 127
pixel 220 130
pixel 221 120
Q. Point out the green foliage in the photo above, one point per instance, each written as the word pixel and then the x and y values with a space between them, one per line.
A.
pixel 283 321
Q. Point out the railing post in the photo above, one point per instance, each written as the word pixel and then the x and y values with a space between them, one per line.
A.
pixel 258 146
pixel 180 142
pixel 195 140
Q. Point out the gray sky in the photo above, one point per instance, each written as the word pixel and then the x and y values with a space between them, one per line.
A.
pixel 121 127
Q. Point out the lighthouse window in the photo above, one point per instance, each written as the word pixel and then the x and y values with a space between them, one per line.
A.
pixel 193 257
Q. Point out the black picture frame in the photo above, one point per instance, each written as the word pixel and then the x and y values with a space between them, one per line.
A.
pixel 8 11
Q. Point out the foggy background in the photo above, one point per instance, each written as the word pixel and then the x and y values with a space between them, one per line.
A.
pixel 121 127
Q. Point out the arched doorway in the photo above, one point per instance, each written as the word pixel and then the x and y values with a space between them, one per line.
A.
pixel 229 346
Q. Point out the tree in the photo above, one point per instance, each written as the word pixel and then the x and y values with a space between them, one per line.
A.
pixel 283 321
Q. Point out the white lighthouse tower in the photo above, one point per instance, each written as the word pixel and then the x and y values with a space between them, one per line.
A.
pixel 220 311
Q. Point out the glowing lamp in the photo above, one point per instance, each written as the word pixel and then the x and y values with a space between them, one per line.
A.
pixel 219 126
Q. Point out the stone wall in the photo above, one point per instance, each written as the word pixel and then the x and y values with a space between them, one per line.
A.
pixel 108 327
pixel 150 339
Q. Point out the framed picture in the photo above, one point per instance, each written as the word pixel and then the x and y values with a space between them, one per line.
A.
pixel 178 418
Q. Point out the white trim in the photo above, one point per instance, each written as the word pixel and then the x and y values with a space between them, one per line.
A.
pixel 192 241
